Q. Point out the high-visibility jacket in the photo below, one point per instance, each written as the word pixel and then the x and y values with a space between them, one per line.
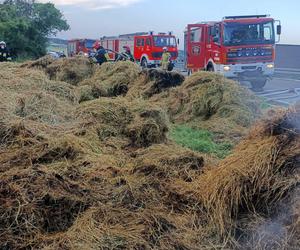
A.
pixel 4 55
pixel 166 56
pixel 165 60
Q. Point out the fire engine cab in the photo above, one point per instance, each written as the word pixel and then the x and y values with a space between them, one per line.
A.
pixel 239 47
pixel 147 48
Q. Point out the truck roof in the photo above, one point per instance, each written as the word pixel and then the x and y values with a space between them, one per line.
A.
pixel 134 34
pixel 241 19
pixel 248 20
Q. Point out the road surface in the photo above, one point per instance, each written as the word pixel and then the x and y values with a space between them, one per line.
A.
pixel 284 89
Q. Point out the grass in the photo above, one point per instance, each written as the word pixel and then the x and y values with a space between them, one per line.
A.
pixel 199 140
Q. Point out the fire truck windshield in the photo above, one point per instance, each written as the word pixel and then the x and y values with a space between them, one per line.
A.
pixel 245 33
pixel 164 41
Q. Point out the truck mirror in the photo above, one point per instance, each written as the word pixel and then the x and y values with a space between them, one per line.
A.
pixel 278 29
pixel 178 41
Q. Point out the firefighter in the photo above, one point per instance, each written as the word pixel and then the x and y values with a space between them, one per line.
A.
pixel 101 56
pixel 165 59
pixel 126 55
pixel 4 53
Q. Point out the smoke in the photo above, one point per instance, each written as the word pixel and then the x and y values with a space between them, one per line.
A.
pixel 276 232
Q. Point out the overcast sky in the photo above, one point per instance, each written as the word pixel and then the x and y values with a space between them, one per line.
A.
pixel 96 18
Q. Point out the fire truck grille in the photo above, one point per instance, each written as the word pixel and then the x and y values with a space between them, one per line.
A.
pixel 250 60
pixel 250 55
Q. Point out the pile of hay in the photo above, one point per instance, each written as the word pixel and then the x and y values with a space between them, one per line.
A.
pixel 126 79
pixel 154 81
pixel 29 94
pixel 138 206
pixel 41 63
pixel 206 100
pixel 71 70
pixel 109 80
pixel 102 174
pixel 254 194
pixel 140 124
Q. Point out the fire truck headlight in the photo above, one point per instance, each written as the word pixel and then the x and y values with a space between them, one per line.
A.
pixel 226 68
pixel 270 66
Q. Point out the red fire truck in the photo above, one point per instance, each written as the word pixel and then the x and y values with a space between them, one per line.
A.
pixel 239 47
pixel 147 48
pixel 80 46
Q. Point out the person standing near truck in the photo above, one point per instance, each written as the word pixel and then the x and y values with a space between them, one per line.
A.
pixel 101 54
pixel 4 53
pixel 165 59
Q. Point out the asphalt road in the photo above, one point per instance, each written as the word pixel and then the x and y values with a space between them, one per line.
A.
pixel 284 89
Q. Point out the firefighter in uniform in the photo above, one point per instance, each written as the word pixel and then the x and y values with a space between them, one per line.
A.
pixel 4 53
pixel 101 56
pixel 165 59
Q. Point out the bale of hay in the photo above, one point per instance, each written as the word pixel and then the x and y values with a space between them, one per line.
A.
pixel 257 177
pixel 113 79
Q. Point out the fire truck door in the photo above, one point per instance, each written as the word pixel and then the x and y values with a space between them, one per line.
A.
pixel 196 46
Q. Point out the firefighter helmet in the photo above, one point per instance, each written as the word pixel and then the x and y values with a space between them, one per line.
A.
pixel 3 43
pixel 165 48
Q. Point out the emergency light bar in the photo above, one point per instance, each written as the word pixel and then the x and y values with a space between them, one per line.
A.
pixel 244 17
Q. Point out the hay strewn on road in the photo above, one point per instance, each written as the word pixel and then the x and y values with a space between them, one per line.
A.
pixel 206 100
pixel 97 170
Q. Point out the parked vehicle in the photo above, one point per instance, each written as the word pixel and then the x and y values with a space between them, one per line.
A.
pixel 80 47
pixel 239 47
pixel 56 55
pixel 147 48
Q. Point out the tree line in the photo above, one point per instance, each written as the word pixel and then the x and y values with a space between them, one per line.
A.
pixel 26 24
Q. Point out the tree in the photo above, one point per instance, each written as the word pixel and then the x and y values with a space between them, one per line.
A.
pixel 25 26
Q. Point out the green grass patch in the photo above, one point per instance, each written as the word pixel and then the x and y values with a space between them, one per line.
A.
pixel 199 140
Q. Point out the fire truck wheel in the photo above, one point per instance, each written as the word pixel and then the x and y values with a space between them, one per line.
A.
pixel 258 85
pixel 144 63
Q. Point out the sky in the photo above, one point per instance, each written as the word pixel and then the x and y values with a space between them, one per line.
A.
pixel 97 18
